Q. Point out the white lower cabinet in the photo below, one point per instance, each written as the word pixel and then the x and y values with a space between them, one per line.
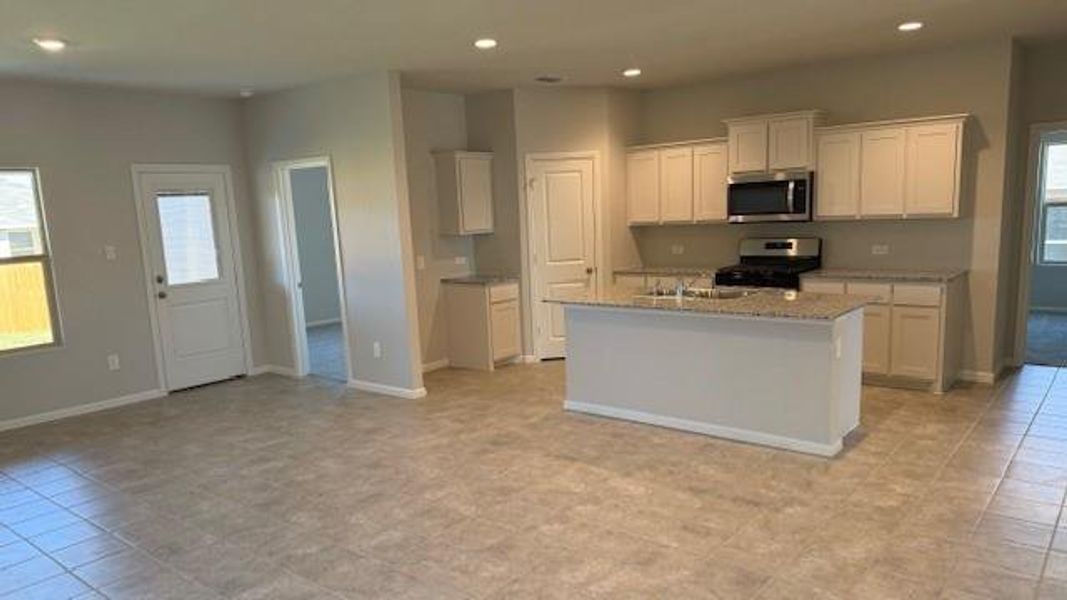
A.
pixel 483 323
pixel 916 335
pixel 876 336
pixel 911 331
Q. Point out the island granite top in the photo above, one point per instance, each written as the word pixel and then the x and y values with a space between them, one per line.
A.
pixel 480 280
pixel 900 275
pixel 774 304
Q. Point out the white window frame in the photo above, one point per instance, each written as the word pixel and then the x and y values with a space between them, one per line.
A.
pixel 44 259
pixel 1042 212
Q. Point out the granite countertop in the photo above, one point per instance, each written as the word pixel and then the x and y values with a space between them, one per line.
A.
pixel 902 275
pixel 774 304
pixel 480 279
pixel 668 271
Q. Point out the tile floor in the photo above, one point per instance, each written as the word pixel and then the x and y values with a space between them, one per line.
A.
pixel 326 352
pixel 1046 338
pixel 275 488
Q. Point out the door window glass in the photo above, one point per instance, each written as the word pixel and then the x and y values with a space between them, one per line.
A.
pixel 189 249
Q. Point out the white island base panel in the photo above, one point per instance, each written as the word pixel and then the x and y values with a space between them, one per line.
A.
pixel 787 383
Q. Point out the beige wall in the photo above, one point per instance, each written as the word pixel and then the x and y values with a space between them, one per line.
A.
pixel 433 121
pixel 491 128
pixel 971 79
pixel 84 140
pixel 357 122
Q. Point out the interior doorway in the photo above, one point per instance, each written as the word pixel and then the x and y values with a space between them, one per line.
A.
pixel 316 283
pixel 1046 288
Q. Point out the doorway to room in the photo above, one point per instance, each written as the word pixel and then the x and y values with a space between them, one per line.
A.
pixel 1046 316
pixel 316 287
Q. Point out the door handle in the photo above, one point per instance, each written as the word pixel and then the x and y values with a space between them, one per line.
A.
pixel 159 279
pixel 161 295
pixel 589 270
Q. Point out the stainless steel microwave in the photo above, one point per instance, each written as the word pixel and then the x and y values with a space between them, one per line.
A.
pixel 783 196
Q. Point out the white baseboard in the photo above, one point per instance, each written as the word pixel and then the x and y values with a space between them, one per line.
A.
pixel 435 365
pixel 731 433
pixel 336 321
pixel 83 409
pixel 526 359
pixel 1049 309
pixel 987 377
pixel 276 369
pixel 388 390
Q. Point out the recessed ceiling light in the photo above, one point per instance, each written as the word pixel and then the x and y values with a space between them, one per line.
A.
pixel 910 26
pixel 632 72
pixel 50 44
pixel 485 44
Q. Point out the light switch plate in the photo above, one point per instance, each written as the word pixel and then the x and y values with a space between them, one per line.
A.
pixel 879 249
pixel 461 260
pixel 110 253
pixel 677 249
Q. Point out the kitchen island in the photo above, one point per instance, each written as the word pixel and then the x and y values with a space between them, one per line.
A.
pixel 776 368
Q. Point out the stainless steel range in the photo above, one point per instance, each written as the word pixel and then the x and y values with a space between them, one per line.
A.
pixel 772 262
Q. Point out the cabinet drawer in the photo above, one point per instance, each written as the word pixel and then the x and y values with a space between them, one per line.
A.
pixel 823 287
pixel 917 295
pixel 500 293
pixel 881 292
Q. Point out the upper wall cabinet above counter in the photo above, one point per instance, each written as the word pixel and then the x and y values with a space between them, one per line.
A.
pixel 901 169
pixel 782 142
pixel 890 170
pixel 464 191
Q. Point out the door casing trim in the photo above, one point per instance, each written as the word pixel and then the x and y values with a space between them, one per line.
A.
pixel 136 171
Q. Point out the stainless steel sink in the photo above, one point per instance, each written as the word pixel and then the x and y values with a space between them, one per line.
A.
pixel 700 293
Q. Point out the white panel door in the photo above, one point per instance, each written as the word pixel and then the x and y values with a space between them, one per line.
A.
pixel 789 144
pixel 187 235
pixel 882 172
pixel 748 147
pixel 676 185
pixel 932 169
pixel 642 187
pixel 710 170
pixel 838 175
pixel 562 235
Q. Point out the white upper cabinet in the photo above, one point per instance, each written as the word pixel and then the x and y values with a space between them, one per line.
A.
pixel 882 172
pixel 772 142
pixel 789 143
pixel 676 184
pixel 933 170
pixel 709 182
pixel 837 176
pixel 642 187
pixel 748 147
pixel 465 192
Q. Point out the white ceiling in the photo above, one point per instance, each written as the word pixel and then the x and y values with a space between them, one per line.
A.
pixel 222 46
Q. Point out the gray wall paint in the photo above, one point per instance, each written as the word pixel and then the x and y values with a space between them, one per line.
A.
pixel 84 140
pixel 863 90
pixel 433 121
pixel 314 234
pixel 1048 287
pixel 357 122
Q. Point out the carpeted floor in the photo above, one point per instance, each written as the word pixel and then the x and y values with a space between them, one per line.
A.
pixel 326 351
pixel 1046 339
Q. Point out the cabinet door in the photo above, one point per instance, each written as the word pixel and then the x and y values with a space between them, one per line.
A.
pixel 838 175
pixel 789 143
pixel 932 170
pixel 876 339
pixel 709 175
pixel 504 324
pixel 748 147
pixel 882 172
pixel 915 341
pixel 676 185
pixel 642 186
pixel 475 194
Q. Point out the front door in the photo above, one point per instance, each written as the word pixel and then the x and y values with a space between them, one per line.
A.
pixel 186 230
pixel 562 235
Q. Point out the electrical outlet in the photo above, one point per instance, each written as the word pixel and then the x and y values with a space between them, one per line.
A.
pixel 113 362
pixel 677 249
pixel 110 253
pixel 420 262
pixel 377 349
pixel 461 260
pixel 880 249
